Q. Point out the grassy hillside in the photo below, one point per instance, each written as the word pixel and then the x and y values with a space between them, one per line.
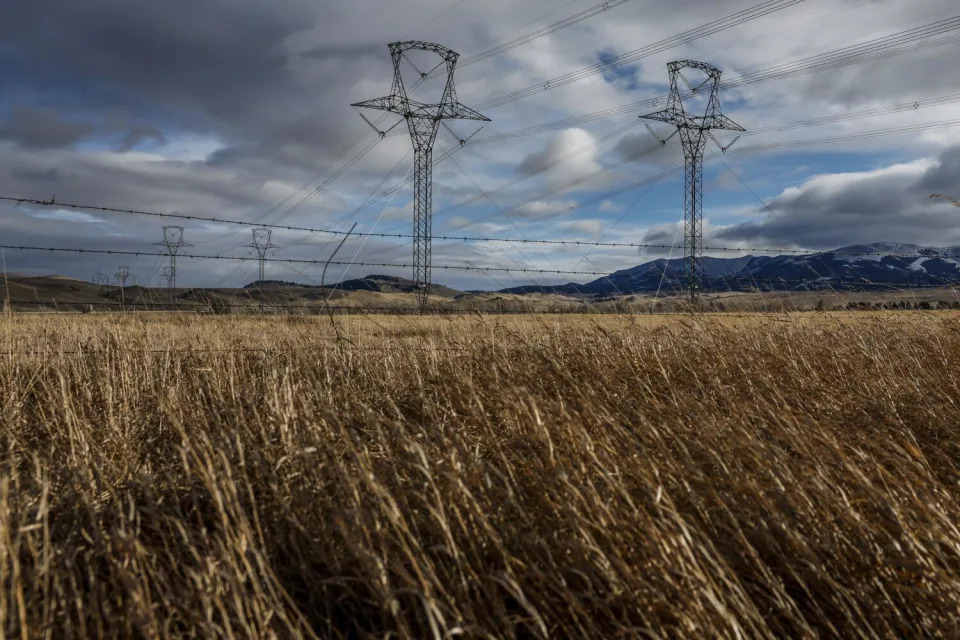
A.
pixel 379 294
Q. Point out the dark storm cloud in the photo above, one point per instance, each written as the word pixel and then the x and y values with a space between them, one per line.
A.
pixel 891 204
pixel 43 128
pixel 207 67
pixel 48 128
pixel 178 50
pixel 137 134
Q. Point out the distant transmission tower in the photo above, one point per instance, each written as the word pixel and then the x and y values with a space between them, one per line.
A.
pixel 173 241
pixel 261 242
pixel 101 280
pixel 122 274
pixel 423 122
pixel 694 131
pixel 165 277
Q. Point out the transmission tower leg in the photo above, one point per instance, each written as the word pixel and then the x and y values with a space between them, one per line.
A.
pixel 693 217
pixel 173 280
pixel 260 282
pixel 422 224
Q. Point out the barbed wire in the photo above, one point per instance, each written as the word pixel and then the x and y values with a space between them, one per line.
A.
pixel 295 260
pixel 378 264
pixel 631 245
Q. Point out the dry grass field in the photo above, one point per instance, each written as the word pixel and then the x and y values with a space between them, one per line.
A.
pixel 729 476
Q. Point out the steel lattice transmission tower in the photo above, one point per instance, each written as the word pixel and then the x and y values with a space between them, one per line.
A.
pixel 262 244
pixel 694 131
pixel 423 121
pixel 101 280
pixel 123 272
pixel 173 241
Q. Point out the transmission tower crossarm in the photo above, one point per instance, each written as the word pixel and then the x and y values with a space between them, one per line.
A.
pixel 720 121
pixel 391 103
pixel 668 115
pixel 458 111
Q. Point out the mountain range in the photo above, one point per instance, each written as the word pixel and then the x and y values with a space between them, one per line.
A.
pixel 878 266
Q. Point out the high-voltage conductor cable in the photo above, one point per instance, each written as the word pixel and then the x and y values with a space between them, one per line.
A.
pixel 916 105
pixel 344 219
pixel 490 199
pixel 494 51
pixel 385 193
pixel 491 239
pixel 863 135
pixel 317 176
pixel 879 48
pixel 326 183
pixel 876 49
pixel 574 121
pixel 569 21
pixel 750 149
pixel 727 22
pixel 349 147
pixel 813 122
pixel 540 169
pixel 323 185
pixel 645 182
pixel 195 256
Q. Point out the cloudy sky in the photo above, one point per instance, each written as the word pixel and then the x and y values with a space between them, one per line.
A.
pixel 240 109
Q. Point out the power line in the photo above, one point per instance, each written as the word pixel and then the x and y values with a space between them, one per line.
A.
pixel 854 136
pixel 858 115
pixel 876 49
pixel 541 169
pixel 345 150
pixel 82 250
pixel 455 238
pixel 727 22
pixel 312 179
pixel 801 124
pixel 543 31
pixel 292 260
pixel 326 183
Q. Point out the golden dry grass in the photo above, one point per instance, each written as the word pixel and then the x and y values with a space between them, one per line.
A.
pixel 601 477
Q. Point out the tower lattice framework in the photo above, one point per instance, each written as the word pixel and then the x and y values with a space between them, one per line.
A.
pixel 261 243
pixel 423 122
pixel 694 131
pixel 173 241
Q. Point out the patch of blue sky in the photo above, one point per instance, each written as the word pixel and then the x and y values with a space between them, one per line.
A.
pixel 624 76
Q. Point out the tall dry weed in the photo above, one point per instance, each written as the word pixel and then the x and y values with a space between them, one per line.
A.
pixel 767 476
